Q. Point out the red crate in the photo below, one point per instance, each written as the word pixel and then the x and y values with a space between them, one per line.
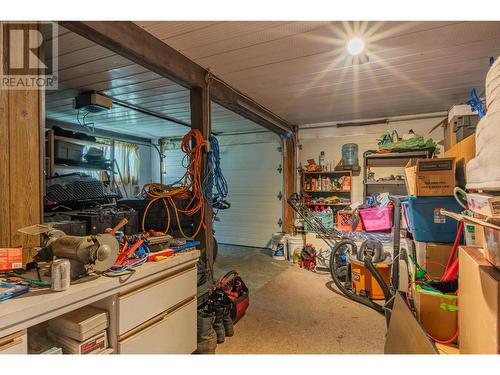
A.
pixel 344 221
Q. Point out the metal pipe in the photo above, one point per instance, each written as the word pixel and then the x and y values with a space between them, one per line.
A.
pixel 362 122
pixel 147 111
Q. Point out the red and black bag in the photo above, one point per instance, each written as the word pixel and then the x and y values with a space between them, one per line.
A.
pixel 234 287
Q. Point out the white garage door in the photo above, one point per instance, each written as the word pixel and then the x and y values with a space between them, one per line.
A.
pixel 251 171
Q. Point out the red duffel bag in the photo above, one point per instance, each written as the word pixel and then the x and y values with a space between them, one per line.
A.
pixel 234 287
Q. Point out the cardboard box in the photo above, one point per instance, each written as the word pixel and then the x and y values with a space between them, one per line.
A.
pixel 80 324
pixel 447 348
pixel 436 312
pixel 463 152
pixel 429 254
pixel 455 112
pixel 450 137
pixel 93 345
pixel 11 258
pixel 430 177
pixel 479 285
pixel 484 204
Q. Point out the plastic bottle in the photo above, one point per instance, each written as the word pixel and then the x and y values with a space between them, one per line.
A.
pixel 321 160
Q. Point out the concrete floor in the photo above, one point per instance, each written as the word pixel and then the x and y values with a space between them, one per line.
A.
pixel 295 311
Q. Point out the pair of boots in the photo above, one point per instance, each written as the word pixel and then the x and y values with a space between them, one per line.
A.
pixel 214 324
pixel 223 324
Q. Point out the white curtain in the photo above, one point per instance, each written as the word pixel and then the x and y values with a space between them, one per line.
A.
pixel 128 161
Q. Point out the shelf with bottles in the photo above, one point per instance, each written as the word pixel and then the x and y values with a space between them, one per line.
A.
pixel 327 182
pixel 328 204
pixel 327 191
pixel 327 172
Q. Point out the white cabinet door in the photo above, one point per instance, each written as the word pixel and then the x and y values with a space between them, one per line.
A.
pixel 138 306
pixel 175 333
pixel 17 343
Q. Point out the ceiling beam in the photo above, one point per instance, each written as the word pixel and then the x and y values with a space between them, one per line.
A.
pixel 136 44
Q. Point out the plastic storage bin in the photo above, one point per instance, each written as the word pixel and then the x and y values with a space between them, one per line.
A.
pixel 406 214
pixel 426 222
pixel 376 218
pixel 68 151
pixel 326 218
pixel 344 222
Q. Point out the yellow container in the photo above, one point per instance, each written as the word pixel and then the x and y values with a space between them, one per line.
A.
pixel 363 281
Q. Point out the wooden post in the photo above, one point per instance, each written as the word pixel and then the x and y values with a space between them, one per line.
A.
pixel 201 120
pixel 289 183
pixel 21 151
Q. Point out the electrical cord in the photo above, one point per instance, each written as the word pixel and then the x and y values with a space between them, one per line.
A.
pixel 189 187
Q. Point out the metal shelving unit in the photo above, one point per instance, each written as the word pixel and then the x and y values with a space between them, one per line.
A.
pixel 390 159
pixel 54 164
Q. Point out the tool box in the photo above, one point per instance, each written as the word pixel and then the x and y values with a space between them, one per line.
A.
pixel 71 227
pixel 99 220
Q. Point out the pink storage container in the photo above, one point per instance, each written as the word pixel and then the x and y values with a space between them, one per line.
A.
pixel 376 219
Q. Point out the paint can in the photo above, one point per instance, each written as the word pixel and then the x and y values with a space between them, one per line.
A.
pixel 296 242
pixel 279 246
pixel 60 274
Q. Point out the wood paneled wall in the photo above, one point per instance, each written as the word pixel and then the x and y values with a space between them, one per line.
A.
pixel 289 183
pixel 21 150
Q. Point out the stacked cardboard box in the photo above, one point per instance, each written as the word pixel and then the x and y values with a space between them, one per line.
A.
pixel 82 331
pixel 479 285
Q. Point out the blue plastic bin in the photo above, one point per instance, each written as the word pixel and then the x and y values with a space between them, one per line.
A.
pixel 426 222
pixel 406 213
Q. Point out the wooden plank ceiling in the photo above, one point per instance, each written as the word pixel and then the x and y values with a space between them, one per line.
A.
pixel 86 66
pixel 299 70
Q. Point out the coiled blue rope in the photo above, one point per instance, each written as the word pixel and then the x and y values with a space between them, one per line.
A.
pixel 215 184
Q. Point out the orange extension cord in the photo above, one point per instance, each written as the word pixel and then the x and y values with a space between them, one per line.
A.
pixel 187 187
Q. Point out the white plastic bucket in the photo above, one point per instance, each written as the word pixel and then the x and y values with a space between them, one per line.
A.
pixel 279 246
pixel 294 243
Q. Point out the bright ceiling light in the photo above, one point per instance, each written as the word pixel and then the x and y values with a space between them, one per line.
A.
pixel 355 46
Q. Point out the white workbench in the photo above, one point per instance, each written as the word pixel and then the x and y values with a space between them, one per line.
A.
pixel 136 303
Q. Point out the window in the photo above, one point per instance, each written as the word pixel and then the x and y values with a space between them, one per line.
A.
pixel 128 161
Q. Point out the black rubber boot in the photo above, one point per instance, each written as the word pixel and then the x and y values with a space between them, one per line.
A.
pixel 227 321
pixel 206 337
pixel 219 324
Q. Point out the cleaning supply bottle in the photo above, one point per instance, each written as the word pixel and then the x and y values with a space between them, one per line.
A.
pixel 321 160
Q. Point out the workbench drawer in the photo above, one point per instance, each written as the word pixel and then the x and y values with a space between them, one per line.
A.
pixel 17 343
pixel 172 333
pixel 148 301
